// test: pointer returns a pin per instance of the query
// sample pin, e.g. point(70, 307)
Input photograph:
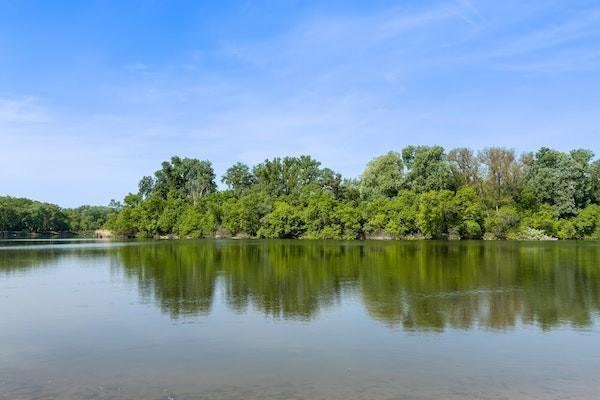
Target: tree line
point(25, 215)
point(420, 192)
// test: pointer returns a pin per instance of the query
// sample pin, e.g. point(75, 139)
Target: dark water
point(299, 320)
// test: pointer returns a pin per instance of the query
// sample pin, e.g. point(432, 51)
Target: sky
point(96, 94)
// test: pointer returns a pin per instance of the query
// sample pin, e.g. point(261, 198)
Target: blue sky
point(95, 94)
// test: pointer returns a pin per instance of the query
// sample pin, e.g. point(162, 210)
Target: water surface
point(299, 320)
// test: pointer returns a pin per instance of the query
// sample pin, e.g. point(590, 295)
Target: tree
point(145, 187)
point(595, 178)
point(468, 213)
point(421, 192)
point(465, 167)
point(350, 221)
point(383, 176)
point(587, 222)
point(284, 222)
point(239, 178)
point(320, 217)
point(287, 176)
point(427, 169)
point(244, 215)
point(435, 213)
point(500, 224)
point(173, 207)
point(503, 175)
point(332, 182)
point(561, 180)
point(197, 222)
point(189, 176)
point(402, 214)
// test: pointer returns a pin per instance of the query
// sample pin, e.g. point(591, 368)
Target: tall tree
point(287, 176)
point(503, 175)
point(145, 186)
point(188, 176)
point(561, 180)
point(427, 168)
point(465, 167)
point(239, 178)
point(383, 176)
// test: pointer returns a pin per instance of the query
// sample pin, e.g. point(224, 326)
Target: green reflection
point(413, 285)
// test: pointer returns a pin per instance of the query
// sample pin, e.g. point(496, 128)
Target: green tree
point(561, 180)
point(189, 176)
point(383, 176)
point(468, 213)
point(465, 167)
point(239, 178)
point(428, 169)
point(435, 213)
point(287, 176)
point(502, 175)
point(284, 222)
point(320, 217)
point(587, 222)
point(500, 224)
point(197, 222)
point(402, 214)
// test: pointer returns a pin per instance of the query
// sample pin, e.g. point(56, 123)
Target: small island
point(421, 192)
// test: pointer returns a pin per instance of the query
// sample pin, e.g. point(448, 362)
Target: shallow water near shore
point(237, 319)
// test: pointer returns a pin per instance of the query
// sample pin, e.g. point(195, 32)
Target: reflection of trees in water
point(284, 279)
point(415, 285)
point(18, 260)
point(433, 285)
point(181, 278)
point(281, 279)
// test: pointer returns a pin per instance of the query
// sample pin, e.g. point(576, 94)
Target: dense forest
point(24, 215)
point(420, 192)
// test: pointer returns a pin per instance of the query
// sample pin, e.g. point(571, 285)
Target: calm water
point(299, 320)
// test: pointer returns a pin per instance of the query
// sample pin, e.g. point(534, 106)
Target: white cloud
point(22, 109)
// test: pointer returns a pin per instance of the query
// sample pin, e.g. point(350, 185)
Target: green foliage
point(87, 218)
point(350, 221)
point(197, 222)
point(428, 169)
point(188, 176)
point(239, 178)
point(284, 222)
point(402, 215)
point(465, 167)
point(244, 215)
point(545, 220)
point(320, 217)
point(287, 176)
point(377, 215)
point(587, 222)
point(19, 214)
point(383, 176)
point(172, 209)
point(500, 224)
point(435, 214)
point(561, 180)
point(467, 213)
point(420, 193)
point(503, 176)
point(529, 233)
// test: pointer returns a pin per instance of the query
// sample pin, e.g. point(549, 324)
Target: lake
point(299, 320)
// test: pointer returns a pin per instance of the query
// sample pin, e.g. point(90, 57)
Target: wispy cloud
point(583, 25)
point(22, 109)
